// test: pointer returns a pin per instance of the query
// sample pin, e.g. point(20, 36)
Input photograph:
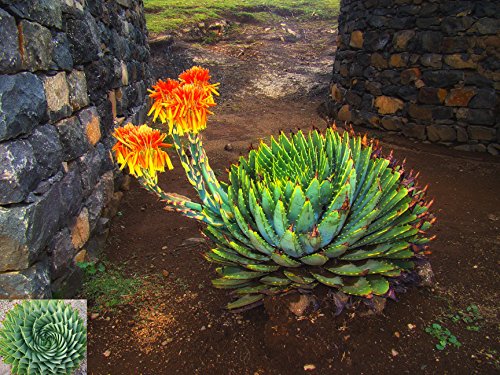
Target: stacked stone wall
point(429, 69)
point(70, 70)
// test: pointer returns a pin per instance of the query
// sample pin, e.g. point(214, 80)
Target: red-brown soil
point(178, 325)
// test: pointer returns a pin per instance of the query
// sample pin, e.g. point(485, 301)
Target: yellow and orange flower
point(188, 109)
point(199, 76)
point(161, 92)
point(139, 148)
point(185, 103)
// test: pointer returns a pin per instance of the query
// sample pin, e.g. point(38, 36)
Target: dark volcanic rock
point(18, 171)
point(61, 252)
point(25, 229)
point(83, 38)
point(22, 103)
point(45, 12)
point(37, 46)
point(10, 57)
point(61, 53)
point(73, 138)
point(47, 150)
point(33, 283)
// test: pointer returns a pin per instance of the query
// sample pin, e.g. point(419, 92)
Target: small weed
point(443, 335)
point(470, 316)
point(91, 268)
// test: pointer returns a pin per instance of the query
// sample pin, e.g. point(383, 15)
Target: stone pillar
point(70, 70)
point(426, 68)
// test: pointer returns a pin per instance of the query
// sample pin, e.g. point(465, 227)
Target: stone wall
point(429, 69)
point(70, 70)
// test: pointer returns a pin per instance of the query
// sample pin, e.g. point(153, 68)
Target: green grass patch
point(169, 15)
point(107, 288)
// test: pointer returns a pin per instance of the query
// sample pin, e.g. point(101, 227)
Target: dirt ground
point(272, 79)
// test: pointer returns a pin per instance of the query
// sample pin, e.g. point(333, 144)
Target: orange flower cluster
point(185, 103)
point(139, 147)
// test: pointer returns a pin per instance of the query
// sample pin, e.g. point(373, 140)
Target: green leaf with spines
point(313, 194)
point(223, 283)
point(297, 201)
point(335, 251)
point(306, 219)
point(315, 259)
point(242, 206)
point(267, 203)
point(275, 281)
point(247, 252)
point(240, 220)
point(325, 192)
point(378, 284)
point(280, 219)
point(259, 243)
point(297, 278)
point(310, 242)
point(237, 273)
point(290, 244)
point(252, 289)
point(227, 255)
point(334, 282)
point(265, 229)
point(402, 264)
point(252, 201)
point(233, 227)
point(245, 301)
point(330, 226)
point(375, 266)
point(214, 258)
point(393, 273)
point(347, 269)
point(217, 236)
point(403, 254)
point(284, 260)
point(359, 287)
point(289, 188)
point(262, 267)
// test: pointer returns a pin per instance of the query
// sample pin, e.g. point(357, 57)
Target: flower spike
point(139, 148)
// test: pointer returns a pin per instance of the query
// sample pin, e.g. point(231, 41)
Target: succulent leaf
point(359, 287)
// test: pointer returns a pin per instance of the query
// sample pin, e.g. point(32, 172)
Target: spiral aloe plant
point(307, 209)
point(43, 337)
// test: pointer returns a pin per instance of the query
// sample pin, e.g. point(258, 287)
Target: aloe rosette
point(306, 209)
point(43, 337)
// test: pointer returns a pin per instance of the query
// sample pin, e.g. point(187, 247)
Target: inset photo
point(43, 337)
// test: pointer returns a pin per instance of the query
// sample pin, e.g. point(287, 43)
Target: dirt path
point(271, 79)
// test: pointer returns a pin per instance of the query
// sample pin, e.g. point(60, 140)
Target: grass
point(169, 15)
point(107, 288)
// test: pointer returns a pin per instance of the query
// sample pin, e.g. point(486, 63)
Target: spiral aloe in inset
point(43, 337)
